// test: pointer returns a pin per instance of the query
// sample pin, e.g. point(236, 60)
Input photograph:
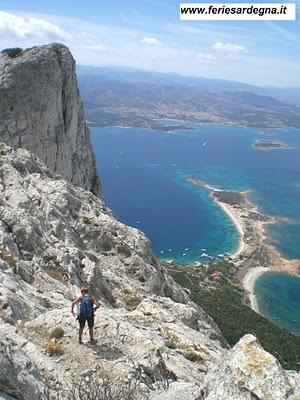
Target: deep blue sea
point(144, 175)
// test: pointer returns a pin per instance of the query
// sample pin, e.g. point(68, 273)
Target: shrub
point(44, 302)
point(8, 257)
point(172, 342)
point(57, 332)
point(192, 355)
point(131, 301)
point(12, 52)
point(54, 348)
point(56, 274)
point(105, 387)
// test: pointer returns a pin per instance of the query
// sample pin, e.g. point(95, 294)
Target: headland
point(254, 255)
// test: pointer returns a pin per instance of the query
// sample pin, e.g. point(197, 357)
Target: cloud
point(151, 41)
point(20, 27)
point(229, 48)
point(97, 47)
point(287, 35)
point(206, 56)
point(179, 50)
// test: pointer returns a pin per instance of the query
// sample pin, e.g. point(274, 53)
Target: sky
point(148, 34)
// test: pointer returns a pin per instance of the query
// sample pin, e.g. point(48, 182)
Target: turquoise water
point(279, 299)
point(144, 174)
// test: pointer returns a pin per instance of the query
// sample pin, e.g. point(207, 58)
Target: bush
point(57, 333)
point(12, 52)
point(131, 301)
point(8, 257)
point(192, 355)
point(103, 388)
point(54, 348)
point(56, 274)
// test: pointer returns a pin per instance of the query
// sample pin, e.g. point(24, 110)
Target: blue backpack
point(86, 307)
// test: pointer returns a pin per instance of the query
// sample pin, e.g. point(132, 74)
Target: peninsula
point(253, 256)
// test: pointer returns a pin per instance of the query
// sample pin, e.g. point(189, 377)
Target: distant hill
point(122, 96)
point(132, 75)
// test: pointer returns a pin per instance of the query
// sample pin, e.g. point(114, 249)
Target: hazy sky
point(148, 34)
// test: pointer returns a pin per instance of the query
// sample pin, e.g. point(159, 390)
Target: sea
point(144, 173)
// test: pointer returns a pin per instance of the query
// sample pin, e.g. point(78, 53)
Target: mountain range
point(123, 96)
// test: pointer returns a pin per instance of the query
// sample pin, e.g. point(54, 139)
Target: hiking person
point(87, 307)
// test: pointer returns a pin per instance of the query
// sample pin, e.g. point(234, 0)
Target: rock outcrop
point(41, 110)
point(54, 238)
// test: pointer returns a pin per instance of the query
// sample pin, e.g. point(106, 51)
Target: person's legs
point(81, 328)
point(91, 328)
point(80, 334)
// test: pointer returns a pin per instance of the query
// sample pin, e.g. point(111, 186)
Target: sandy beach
point(249, 285)
point(253, 256)
point(238, 226)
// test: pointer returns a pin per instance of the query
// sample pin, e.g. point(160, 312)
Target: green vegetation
point(12, 52)
point(57, 332)
point(215, 288)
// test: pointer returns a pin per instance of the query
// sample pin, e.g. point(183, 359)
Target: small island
point(269, 145)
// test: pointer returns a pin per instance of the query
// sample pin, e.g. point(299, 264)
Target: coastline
point(253, 257)
point(238, 226)
point(94, 124)
point(249, 285)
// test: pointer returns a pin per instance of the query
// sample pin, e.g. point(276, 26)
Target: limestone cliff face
point(41, 110)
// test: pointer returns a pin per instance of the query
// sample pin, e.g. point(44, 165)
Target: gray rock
point(178, 391)
point(18, 375)
point(41, 111)
point(248, 372)
point(4, 396)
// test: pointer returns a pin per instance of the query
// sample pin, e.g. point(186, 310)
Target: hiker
point(87, 307)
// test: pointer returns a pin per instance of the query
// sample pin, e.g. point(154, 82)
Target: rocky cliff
point(152, 341)
point(41, 110)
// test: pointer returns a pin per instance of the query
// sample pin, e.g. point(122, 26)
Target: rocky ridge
point(41, 110)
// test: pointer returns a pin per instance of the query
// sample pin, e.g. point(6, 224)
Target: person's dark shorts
point(82, 320)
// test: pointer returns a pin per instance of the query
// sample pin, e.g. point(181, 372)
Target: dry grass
point(131, 301)
point(54, 348)
point(56, 274)
point(190, 352)
point(192, 355)
point(173, 341)
point(8, 257)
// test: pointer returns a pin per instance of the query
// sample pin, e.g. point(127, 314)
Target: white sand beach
point(249, 285)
